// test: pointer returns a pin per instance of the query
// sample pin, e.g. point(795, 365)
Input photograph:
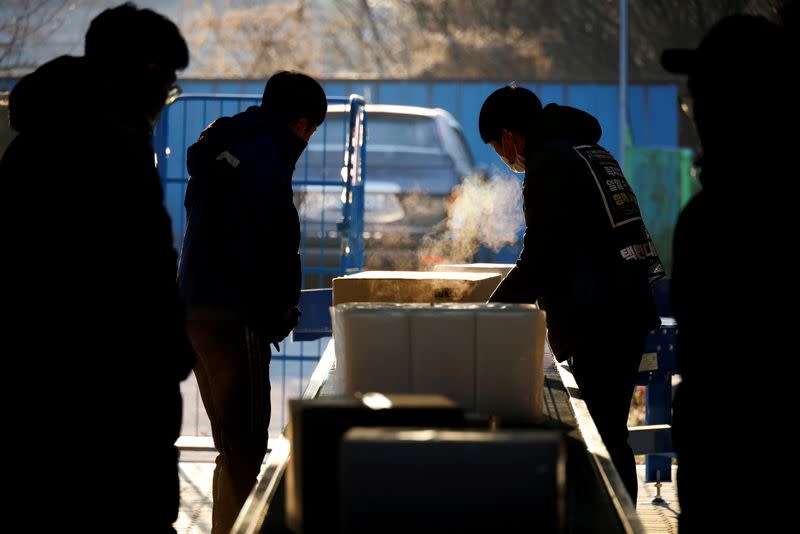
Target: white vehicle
point(415, 157)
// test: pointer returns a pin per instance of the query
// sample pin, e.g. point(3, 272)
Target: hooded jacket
point(240, 257)
point(587, 257)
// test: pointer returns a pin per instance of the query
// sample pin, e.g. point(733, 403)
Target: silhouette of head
point(297, 99)
point(737, 79)
point(505, 120)
point(138, 51)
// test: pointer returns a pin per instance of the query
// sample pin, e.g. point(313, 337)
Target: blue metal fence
point(180, 125)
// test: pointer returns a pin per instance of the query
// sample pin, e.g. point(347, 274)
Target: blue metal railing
point(658, 366)
point(352, 224)
point(180, 125)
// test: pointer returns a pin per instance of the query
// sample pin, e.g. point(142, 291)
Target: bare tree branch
point(26, 23)
point(250, 38)
point(464, 39)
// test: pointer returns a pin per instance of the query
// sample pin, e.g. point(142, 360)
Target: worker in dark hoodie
point(587, 258)
point(240, 270)
point(94, 340)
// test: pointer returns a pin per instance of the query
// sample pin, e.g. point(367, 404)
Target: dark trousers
point(735, 467)
point(606, 375)
point(233, 375)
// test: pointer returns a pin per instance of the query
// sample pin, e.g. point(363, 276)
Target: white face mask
point(519, 162)
point(518, 165)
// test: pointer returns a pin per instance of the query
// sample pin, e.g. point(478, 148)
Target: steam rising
point(481, 212)
point(425, 291)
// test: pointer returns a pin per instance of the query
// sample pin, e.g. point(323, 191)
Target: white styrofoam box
point(486, 357)
point(443, 352)
point(372, 344)
point(510, 360)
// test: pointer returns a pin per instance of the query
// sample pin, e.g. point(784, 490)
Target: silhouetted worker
point(729, 274)
point(240, 270)
point(587, 257)
point(94, 337)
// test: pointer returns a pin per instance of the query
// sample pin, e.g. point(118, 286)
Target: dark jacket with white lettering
point(240, 251)
point(587, 257)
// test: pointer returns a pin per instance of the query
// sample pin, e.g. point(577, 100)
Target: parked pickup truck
point(415, 157)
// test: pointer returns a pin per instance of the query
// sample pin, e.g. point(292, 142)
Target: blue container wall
point(652, 108)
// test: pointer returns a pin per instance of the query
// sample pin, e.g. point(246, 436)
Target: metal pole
point(623, 78)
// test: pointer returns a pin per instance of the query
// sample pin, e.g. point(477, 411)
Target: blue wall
point(652, 108)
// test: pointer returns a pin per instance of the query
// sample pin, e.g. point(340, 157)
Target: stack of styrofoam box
point(486, 357)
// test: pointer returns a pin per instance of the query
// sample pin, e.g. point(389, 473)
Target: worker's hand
point(275, 328)
point(287, 324)
point(289, 321)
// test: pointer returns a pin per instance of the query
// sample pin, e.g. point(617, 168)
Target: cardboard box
point(315, 431)
point(431, 480)
point(500, 268)
point(414, 286)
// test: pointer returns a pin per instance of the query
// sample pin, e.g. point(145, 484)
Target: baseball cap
point(732, 43)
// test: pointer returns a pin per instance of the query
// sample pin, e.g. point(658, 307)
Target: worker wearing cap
point(727, 274)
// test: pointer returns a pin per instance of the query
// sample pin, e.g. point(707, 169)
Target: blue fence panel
point(662, 113)
point(653, 115)
point(230, 87)
point(369, 90)
point(605, 109)
point(580, 96)
point(182, 123)
point(600, 101)
point(336, 88)
point(472, 96)
point(553, 92)
point(638, 118)
point(447, 95)
point(354, 175)
point(200, 86)
point(407, 93)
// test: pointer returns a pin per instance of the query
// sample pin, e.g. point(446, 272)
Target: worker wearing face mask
point(587, 258)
